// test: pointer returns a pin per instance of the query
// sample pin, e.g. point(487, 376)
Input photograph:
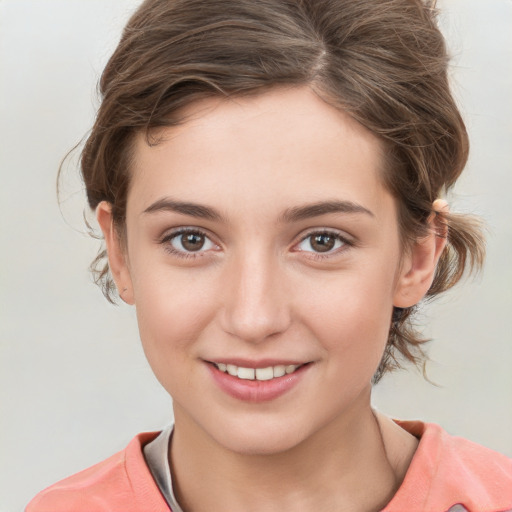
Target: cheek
point(350, 317)
point(173, 308)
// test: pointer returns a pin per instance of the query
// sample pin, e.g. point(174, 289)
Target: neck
point(344, 467)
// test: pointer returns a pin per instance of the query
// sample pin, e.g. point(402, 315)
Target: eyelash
point(346, 244)
point(166, 242)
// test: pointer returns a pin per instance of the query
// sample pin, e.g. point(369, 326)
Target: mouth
point(260, 374)
point(257, 382)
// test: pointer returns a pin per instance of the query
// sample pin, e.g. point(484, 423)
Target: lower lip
point(257, 390)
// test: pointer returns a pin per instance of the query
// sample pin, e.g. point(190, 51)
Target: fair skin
point(262, 279)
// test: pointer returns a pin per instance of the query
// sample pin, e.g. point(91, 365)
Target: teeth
point(264, 373)
point(245, 373)
point(268, 373)
point(279, 371)
point(232, 369)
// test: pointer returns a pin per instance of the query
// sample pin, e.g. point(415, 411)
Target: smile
point(250, 384)
point(268, 373)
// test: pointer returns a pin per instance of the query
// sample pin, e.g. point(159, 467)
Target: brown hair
point(382, 61)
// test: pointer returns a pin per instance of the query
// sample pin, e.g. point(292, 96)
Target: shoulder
point(121, 482)
point(448, 471)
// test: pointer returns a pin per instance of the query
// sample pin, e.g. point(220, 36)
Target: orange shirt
point(445, 472)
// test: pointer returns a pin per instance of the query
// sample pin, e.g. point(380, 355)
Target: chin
point(251, 435)
point(265, 442)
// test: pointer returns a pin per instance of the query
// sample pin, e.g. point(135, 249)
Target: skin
point(258, 288)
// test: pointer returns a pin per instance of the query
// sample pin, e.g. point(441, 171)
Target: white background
point(74, 384)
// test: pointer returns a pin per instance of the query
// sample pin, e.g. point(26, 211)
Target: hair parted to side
point(382, 61)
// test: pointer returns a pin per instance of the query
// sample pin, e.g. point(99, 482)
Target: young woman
point(269, 180)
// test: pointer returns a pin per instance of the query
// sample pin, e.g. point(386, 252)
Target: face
point(261, 242)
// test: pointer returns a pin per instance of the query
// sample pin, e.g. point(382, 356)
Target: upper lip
point(256, 363)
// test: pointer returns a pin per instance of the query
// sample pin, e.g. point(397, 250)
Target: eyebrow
point(295, 214)
point(184, 207)
point(307, 211)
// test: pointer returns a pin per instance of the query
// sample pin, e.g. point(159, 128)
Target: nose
point(256, 304)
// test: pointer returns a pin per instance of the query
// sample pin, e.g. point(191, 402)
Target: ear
point(117, 257)
point(419, 266)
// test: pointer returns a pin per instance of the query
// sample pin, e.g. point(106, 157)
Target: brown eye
point(192, 241)
point(186, 242)
point(322, 243)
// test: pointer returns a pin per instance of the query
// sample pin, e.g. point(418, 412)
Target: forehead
point(260, 151)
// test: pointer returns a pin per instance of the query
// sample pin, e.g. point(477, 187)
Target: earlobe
point(117, 259)
point(419, 267)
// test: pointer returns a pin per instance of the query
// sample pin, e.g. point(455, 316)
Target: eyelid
point(168, 236)
point(347, 242)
